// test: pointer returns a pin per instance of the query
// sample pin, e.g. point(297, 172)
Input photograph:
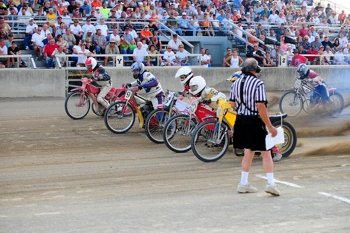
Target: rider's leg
point(103, 92)
point(323, 92)
point(157, 100)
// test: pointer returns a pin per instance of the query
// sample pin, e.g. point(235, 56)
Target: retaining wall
point(51, 83)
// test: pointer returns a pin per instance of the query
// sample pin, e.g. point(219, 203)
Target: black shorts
point(249, 133)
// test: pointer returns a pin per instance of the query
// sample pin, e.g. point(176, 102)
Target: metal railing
point(26, 57)
point(318, 58)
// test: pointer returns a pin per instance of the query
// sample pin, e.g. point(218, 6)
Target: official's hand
point(128, 85)
point(206, 101)
point(273, 131)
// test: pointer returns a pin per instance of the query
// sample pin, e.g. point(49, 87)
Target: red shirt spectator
point(312, 51)
point(50, 47)
point(297, 59)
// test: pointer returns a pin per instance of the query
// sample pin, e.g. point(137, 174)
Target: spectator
point(182, 56)
point(184, 24)
point(268, 62)
point(132, 46)
point(70, 38)
point(174, 43)
point(58, 54)
point(104, 10)
point(88, 27)
point(71, 7)
point(100, 42)
point(228, 54)
point(298, 59)
point(328, 58)
point(343, 40)
point(88, 36)
point(4, 51)
point(257, 54)
point(140, 54)
point(316, 43)
point(48, 50)
point(111, 48)
point(103, 27)
point(305, 43)
point(89, 46)
point(154, 59)
point(144, 44)
point(234, 61)
point(157, 43)
point(61, 30)
point(115, 36)
point(172, 23)
point(326, 42)
point(123, 45)
point(63, 43)
point(205, 59)
point(76, 30)
point(13, 50)
point(312, 51)
point(9, 40)
point(169, 58)
point(127, 34)
point(51, 17)
point(83, 54)
point(5, 26)
point(336, 44)
point(338, 58)
point(66, 18)
point(146, 34)
point(37, 40)
point(30, 30)
point(207, 52)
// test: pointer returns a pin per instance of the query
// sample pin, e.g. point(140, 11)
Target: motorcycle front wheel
point(155, 123)
point(290, 138)
point(291, 103)
point(206, 144)
point(119, 117)
point(77, 105)
point(177, 133)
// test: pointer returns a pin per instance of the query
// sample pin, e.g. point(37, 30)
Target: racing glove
point(208, 101)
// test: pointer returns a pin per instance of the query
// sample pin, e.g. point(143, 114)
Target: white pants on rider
point(105, 88)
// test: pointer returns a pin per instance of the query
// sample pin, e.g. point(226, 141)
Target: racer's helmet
point(137, 69)
point(303, 71)
point(234, 76)
point(197, 85)
point(185, 74)
point(90, 64)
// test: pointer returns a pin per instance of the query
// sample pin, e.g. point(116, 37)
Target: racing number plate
point(128, 95)
point(193, 106)
point(297, 84)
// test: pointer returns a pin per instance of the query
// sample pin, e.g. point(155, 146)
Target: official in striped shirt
point(248, 98)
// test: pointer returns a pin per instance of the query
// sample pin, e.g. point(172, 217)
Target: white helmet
point(185, 74)
point(197, 85)
point(90, 64)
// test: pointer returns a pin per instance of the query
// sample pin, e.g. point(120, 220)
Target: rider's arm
point(151, 83)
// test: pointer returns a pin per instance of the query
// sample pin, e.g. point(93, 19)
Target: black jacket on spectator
point(328, 43)
point(251, 54)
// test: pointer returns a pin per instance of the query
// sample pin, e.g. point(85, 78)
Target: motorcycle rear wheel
point(177, 133)
point(155, 123)
point(290, 138)
point(119, 117)
point(291, 103)
point(77, 105)
point(338, 103)
point(204, 144)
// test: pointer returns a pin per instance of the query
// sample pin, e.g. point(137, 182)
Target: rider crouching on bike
point(315, 80)
point(185, 74)
point(101, 79)
point(146, 80)
point(209, 95)
point(277, 156)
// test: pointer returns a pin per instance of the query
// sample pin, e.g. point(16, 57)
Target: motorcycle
point(211, 139)
point(157, 119)
point(305, 97)
point(120, 115)
point(177, 131)
point(77, 104)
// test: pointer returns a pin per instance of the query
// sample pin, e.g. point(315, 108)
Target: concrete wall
point(51, 83)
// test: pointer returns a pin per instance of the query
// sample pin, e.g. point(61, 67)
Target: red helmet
point(90, 64)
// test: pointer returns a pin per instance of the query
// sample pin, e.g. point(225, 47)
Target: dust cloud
point(339, 148)
point(323, 131)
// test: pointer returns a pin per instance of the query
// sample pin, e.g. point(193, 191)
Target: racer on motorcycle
point(185, 74)
point(101, 79)
point(315, 80)
point(145, 79)
point(277, 156)
point(209, 95)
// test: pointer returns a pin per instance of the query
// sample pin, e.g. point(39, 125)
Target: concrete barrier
point(51, 83)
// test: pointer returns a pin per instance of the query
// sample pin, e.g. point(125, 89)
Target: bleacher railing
point(27, 58)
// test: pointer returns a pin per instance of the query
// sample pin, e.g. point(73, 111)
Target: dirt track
point(60, 175)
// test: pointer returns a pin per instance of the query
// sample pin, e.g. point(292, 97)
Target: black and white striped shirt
point(253, 92)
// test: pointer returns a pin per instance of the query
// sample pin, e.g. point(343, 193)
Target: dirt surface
point(61, 175)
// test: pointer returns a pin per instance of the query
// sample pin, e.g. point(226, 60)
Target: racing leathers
point(152, 87)
point(104, 82)
point(317, 82)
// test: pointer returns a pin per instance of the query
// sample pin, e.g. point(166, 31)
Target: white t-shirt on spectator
point(343, 41)
point(137, 52)
point(66, 20)
point(29, 27)
point(38, 39)
point(169, 56)
point(88, 27)
point(205, 57)
point(75, 29)
point(173, 44)
point(104, 29)
point(4, 50)
point(85, 53)
point(116, 38)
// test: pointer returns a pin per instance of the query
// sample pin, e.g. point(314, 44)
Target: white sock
point(244, 178)
point(270, 179)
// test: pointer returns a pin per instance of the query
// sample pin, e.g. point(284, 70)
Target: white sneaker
point(27, 48)
point(277, 157)
point(246, 188)
point(272, 189)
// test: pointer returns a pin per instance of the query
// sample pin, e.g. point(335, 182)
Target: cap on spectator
point(98, 8)
point(90, 31)
point(112, 41)
point(248, 13)
point(10, 35)
point(321, 46)
point(146, 26)
point(50, 9)
point(183, 13)
point(76, 20)
point(31, 19)
point(59, 17)
point(168, 47)
point(295, 51)
point(174, 35)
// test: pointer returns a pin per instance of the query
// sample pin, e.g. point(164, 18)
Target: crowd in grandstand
point(133, 27)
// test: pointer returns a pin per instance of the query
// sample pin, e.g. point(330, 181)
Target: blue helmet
point(137, 69)
point(234, 76)
point(303, 71)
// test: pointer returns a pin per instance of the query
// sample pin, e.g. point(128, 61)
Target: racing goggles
point(194, 88)
point(183, 77)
